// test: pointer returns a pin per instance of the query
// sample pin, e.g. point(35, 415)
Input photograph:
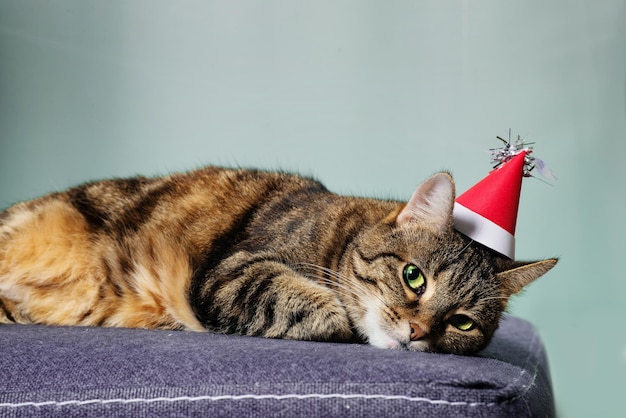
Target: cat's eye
point(462, 322)
point(413, 277)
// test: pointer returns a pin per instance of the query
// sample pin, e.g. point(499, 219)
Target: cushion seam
point(330, 396)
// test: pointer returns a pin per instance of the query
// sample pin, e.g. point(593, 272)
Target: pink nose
point(417, 333)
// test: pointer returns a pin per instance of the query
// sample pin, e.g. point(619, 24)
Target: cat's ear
point(431, 204)
point(515, 275)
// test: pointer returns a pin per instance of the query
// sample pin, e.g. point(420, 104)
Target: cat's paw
point(323, 319)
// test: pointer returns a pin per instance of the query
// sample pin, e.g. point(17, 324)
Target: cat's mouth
point(419, 338)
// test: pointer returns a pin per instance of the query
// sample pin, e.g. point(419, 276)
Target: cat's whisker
point(328, 275)
point(333, 277)
point(358, 295)
point(339, 288)
point(463, 250)
point(496, 298)
point(324, 269)
point(364, 293)
point(355, 297)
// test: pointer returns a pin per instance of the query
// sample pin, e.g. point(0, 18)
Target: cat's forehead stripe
point(371, 259)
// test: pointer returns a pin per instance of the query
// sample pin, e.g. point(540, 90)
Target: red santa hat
point(487, 212)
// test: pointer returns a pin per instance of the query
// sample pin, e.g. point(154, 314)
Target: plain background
point(371, 97)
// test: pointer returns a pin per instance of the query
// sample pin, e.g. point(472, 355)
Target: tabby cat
point(256, 253)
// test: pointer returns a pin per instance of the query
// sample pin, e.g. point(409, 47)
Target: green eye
point(414, 277)
point(462, 322)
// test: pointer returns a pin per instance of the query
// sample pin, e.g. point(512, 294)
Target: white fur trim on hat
point(484, 231)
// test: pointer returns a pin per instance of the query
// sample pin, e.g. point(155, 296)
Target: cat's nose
point(417, 332)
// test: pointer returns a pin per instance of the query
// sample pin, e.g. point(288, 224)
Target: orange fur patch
point(47, 266)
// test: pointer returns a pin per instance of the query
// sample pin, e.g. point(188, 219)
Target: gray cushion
point(63, 371)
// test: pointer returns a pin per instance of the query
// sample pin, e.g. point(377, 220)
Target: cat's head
point(424, 286)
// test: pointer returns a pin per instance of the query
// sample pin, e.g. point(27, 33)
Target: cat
point(256, 253)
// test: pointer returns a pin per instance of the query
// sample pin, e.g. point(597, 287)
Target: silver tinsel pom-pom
point(510, 149)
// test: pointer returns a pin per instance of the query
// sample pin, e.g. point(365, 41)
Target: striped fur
point(253, 253)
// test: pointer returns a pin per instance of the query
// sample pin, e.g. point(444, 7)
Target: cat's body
point(255, 253)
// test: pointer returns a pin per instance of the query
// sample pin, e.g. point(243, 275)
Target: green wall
point(369, 96)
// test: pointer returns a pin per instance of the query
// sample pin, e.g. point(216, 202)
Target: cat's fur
point(254, 253)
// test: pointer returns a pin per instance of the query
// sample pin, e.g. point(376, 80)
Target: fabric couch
point(95, 372)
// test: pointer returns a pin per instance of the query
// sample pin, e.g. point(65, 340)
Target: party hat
point(487, 212)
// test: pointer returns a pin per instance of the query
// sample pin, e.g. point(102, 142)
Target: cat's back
point(207, 200)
